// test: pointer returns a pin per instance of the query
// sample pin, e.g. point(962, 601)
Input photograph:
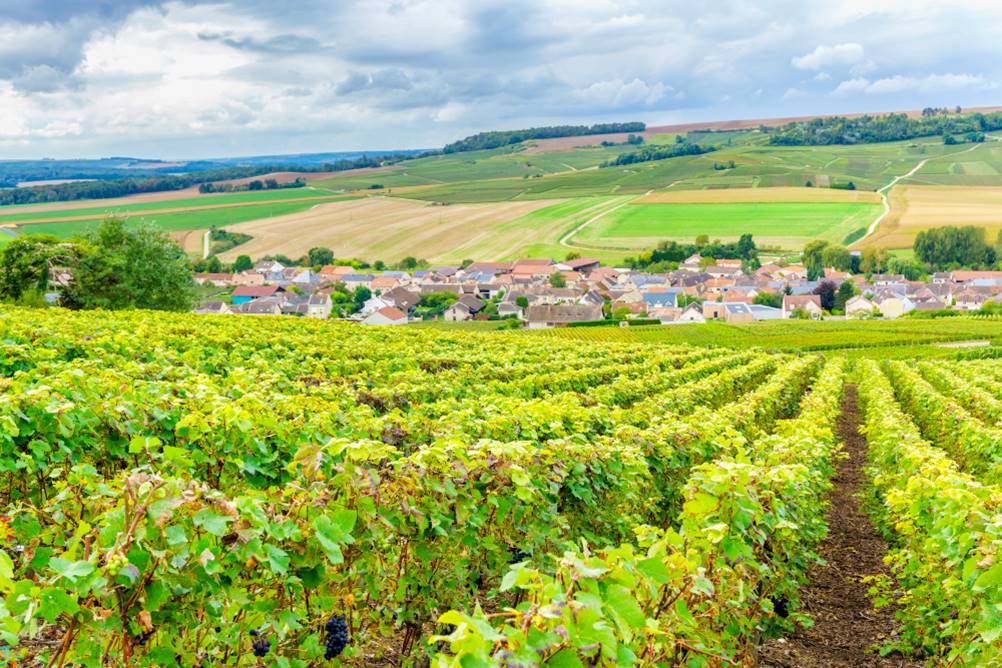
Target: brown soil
point(846, 626)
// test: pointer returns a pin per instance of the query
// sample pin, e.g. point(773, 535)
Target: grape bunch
point(261, 646)
point(337, 637)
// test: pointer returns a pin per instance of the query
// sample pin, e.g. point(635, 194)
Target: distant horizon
point(269, 154)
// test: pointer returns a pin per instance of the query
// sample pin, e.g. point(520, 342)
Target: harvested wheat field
point(755, 195)
point(191, 241)
point(917, 208)
point(389, 229)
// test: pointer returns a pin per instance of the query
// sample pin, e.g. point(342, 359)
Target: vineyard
point(195, 491)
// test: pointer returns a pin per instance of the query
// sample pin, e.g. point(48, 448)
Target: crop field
point(979, 165)
point(393, 496)
point(782, 224)
point(918, 208)
point(390, 229)
point(871, 337)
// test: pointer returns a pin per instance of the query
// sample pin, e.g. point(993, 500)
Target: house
point(248, 293)
point(763, 312)
point(582, 265)
point(355, 281)
point(319, 306)
point(971, 299)
point(218, 280)
point(661, 298)
point(400, 298)
point(859, 307)
point(809, 303)
point(554, 315)
point(248, 278)
point(693, 313)
point(269, 267)
point(263, 306)
point(731, 312)
point(509, 309)
point(386, 316)
point(463, 309)
point(892, 304)
point(213, 308)
point(383, 283)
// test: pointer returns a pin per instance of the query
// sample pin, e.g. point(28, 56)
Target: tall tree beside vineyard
point(26, 261)
point(123, 268)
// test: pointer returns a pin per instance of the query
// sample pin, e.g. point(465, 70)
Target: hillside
point(530, 198)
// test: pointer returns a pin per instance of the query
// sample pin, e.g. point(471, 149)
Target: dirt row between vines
point(846, 627)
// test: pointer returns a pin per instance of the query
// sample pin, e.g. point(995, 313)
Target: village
point(540, 293)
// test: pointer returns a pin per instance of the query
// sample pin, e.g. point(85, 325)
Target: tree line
point(498, 138)
point(669, 254)
point(890, 127)
point(663, 152)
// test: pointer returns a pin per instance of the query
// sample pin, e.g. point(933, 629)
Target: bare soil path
point(846, 627)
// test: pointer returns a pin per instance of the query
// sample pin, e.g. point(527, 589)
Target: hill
point(530, 197)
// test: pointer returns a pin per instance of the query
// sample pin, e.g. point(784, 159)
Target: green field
point(778, 224)
point(182, 220)
point(879, 339)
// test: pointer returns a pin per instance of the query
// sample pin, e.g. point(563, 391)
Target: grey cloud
point(285, 44)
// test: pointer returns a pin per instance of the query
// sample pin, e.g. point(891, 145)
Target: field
point(390, 229)
point(787, 225)
point(382, 495)
point(918, 208)
point(874, 338)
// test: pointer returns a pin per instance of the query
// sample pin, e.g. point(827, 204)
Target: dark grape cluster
point(143, 638)
point(337, 637)
point(261, 646)
point(518, 556)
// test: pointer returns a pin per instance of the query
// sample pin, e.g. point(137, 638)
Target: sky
point(194, 79)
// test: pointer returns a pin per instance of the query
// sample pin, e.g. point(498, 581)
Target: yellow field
point(917, 208)
point(390, 229)
point(758, 195)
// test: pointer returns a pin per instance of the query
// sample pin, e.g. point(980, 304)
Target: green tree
point(837, 257)
point(379, 265)
point(409, 263)
point(873, 261)
point(845, 292)
point(814, 259)
point(522, 301)
point(242, 263)
point(213, 265)
point(123, 268)
point(319, 256)
point(944, 247)
point(25, 263)
point(702, 240)
point(574, 255)
point(557, 280)
point(746, 247)
point(774, 300)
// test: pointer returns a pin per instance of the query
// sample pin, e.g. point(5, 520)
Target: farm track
point(846, 626)
point(886, 189)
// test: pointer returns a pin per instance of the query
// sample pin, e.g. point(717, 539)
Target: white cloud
point(931, 83)
point(839, 55)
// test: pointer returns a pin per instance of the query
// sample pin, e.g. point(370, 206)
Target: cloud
point(203, 78)
point(931, 83)
point(839, 55)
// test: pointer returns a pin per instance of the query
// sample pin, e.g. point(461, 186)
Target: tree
point(466, 263)
point(25, 263)
point(846, 291)
point(768, 299)
point(574, 255)
point(522, 301)
point(702, 240)
point(362, 294)
point(826, 290)
point(814, 259)
point(242, 263)
point(837, 257)
point(409, 263)
point(557, 280)
point(910, 269)
point(213, 265)
point(943, 247)
point(379, 265)
point(123, 268)
point(873, 261)
point(746, 246)
point(319, 256)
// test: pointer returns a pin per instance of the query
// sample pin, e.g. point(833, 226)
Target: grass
point(777, 224)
